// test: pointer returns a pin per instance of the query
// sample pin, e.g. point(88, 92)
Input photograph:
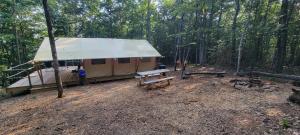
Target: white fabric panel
point(93, 48)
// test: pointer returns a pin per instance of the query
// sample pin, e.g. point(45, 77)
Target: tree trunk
point(202, 41)
point(282, 38)
point(53, 50)
point(257, 36)
point(148, 21)
point(234, 26)
point(16, 32)
point(283, 76)
point(178, 38)
point(210, 23)
point(219, 20)
point(240, 54)
point(262, 36)
point(293, 42)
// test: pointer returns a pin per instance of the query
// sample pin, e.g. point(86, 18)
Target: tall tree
point(148, 20)
point(53, 50)
point(282, 38)
point(234, 27)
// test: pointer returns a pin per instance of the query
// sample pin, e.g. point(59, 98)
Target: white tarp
point(93, 48)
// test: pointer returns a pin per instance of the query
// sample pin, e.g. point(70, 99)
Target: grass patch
point(34, 97)
point(284, 123)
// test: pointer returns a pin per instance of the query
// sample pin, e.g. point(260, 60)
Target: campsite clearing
point(198, 105)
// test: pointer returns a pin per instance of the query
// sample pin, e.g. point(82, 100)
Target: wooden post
point(37, 68)
point(137, 63)
point(53, 50)
point(29, 79)
point(112, 67)
point(42, 77)
point(196, 59)
point(175, 59)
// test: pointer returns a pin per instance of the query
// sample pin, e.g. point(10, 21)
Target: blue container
point(162, 66)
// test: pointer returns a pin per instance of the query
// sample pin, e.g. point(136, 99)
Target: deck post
point(42, 77)
point(39, 71)
point(29, 79)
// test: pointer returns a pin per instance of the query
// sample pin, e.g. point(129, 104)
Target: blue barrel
point(161, 66)
point(82, 73)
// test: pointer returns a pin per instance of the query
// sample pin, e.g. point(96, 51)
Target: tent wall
point(114, 68)
point(125, 68)
point(98, 70)
point(145, 66)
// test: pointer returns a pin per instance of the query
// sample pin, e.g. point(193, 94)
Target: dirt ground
point(198, 105)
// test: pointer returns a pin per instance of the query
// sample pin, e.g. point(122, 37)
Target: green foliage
point(284, 123)
point(3, 94)
point(172, 22)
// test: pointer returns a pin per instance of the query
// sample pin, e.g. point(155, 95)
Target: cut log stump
point(295, 97)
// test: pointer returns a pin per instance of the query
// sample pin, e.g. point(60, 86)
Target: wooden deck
point(49, 80)
point(67, 77)
point(48, 76)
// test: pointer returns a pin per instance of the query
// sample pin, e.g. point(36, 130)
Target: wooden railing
point(20, 71)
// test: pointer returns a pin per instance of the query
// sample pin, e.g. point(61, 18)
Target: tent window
point(72, 62)
point(98, 61)
point(123, 60)
point(146, 59)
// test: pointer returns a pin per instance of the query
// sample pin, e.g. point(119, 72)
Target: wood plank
point(153, 72)
point(158, 80)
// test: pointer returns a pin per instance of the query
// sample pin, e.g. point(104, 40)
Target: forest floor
point(198, 105)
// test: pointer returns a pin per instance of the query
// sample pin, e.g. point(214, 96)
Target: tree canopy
point(270, 28)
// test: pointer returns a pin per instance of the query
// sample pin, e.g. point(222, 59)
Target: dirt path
point(199, 105)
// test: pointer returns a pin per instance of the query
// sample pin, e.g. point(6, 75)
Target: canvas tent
point(103, 57)
point(95, 48)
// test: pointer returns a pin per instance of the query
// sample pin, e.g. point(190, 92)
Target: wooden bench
point(150, 82)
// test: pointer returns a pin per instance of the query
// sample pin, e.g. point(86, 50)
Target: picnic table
point(148, 77)
point(153, 72)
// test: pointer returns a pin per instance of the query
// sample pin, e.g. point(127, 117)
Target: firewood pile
point(247, 83)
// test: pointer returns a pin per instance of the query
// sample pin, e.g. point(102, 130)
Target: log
point(205, 73)
point(283, 76)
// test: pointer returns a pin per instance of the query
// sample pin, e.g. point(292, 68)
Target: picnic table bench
point(159, 80)
point(148, 77)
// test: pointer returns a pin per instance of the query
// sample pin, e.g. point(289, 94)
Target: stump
point(295, 97)
point(296, 83)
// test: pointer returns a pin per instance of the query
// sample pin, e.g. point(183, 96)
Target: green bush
point(2, 77)
point(3, 93)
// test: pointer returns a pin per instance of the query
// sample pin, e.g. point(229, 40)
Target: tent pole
point(112, 66)
point(137, 64)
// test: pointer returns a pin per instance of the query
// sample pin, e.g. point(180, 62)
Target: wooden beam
point(20, 73)
point(19, 65)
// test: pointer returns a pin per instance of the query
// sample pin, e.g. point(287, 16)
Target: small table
point(142, 76)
